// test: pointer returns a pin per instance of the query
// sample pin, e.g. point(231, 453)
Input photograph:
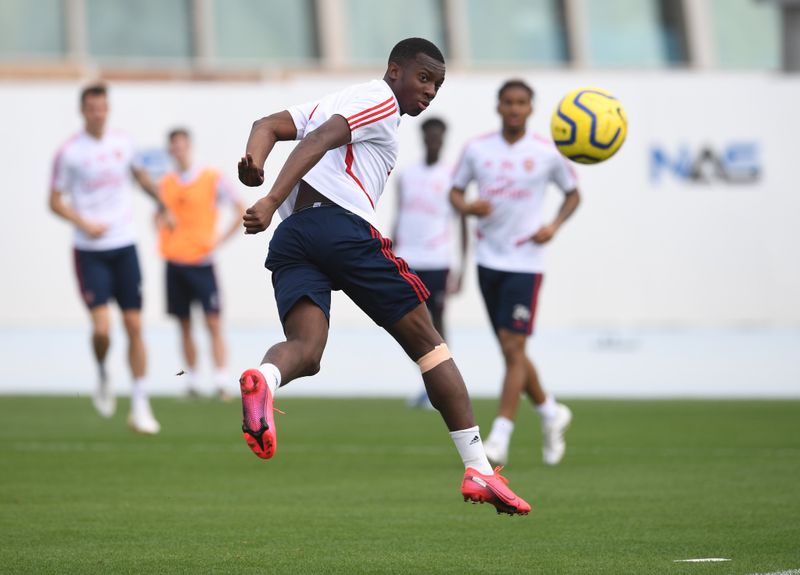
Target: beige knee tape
point(438, 355)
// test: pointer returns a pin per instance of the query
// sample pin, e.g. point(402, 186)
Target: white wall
point(637, 253)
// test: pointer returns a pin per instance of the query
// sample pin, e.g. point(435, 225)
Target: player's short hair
point(515, 83)
point(408, 49)
point(433, 123)
point(175, 132)
point(97, 89)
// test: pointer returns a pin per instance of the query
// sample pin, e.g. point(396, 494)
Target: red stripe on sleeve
point(368, 110)
point(365, 121)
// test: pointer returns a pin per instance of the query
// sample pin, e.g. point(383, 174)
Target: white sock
point(190, 377)
point(273, 376)
point(138, 392)
point(549, 408)
point(470, 448)
point(502, 428)
point(220, 378)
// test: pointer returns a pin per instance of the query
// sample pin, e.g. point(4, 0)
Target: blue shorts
point(510, 298)
point(109, 273)
point(436, 282)
point(326, 248)
point(189, 283)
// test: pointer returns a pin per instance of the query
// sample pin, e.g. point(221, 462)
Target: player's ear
point(394, 70)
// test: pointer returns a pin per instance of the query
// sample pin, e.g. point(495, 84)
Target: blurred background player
point(93, 168)
point(423, 230)
point(193, 195)
point(512, 169)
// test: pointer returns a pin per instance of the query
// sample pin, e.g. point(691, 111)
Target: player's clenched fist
point(258, 216)
point(249, 173)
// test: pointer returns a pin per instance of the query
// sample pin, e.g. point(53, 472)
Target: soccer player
point(326, 192)
point(513, 169)
point(93, 168)
point(423, 230)
point(192, 195)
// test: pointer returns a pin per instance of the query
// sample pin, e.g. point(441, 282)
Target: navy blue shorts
point(326, 248)
point(436, 282)
point(109, 273)
point(510, 298)
point(187, 284)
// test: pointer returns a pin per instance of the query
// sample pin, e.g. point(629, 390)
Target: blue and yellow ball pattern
point(589, 125)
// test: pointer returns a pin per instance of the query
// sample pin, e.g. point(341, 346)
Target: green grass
point(368, 486)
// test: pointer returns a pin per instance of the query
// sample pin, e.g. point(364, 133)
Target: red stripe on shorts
point(402, 267)
point(537, 283)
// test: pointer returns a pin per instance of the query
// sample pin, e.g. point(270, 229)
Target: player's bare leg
point(416, 335)
point(189, 355)
point(421, 400)
point(521, 375)
point(533, 386)
point(218, 354)
point(516, 377)
point(137, 357)
point(306, 330)
point(141, 417)
point(103, 397)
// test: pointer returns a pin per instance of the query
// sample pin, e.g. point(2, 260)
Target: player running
point(93, 168)
point(512, 169)
point(326, 192)
point(193, 196)
point(423, 231)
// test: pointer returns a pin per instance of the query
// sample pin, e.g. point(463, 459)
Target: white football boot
point(553, 429)
point(141, 418)
point(103, 398)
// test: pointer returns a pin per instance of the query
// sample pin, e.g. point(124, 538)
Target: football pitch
point(369, 486)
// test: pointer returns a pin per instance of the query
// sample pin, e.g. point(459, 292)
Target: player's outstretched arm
point(458, 278)
point(264, 134)
point(334, 133)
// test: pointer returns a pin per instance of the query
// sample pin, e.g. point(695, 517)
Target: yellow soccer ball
point(589, 125)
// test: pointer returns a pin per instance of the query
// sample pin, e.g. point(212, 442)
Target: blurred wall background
point(691, 225)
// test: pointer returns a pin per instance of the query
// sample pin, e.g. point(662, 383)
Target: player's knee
point(438, 355)
point(513, 352)
point(101, 336)
point(101, 328)
point(133, 324)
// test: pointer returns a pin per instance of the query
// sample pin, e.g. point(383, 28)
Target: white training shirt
point(424, 230)
point(513, 177)
point(96, 174)
point(352, 176)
